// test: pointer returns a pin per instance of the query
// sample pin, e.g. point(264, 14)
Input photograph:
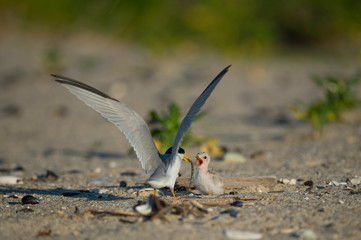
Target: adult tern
point(206, 181)
point(162, 169)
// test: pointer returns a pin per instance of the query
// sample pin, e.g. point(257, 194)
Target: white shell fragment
point(286, 181)
point(236, 234)
point(146, 192)
point(145, 209)
point(355, 180)
point(307, 235)
point(335, 183)
point(10, 180)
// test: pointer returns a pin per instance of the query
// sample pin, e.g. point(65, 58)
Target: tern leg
point(174, 194)
point(155, 192)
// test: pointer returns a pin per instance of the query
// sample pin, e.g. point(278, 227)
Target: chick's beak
point(199, 162)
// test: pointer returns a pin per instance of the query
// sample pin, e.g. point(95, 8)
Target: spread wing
point(192, 113)
point(126, 119)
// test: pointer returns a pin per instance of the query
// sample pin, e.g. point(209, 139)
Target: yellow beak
point(185, 158)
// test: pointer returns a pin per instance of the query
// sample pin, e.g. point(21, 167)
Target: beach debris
point(29, 199)
point(9, 180)
point(233, 157)
point(286, 181)
point(123, 184)
point(307, 234)
point(242, 235)
point(335, 183)
point(147, 191)
point(355, 180)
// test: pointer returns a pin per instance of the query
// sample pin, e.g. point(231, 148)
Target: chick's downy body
point(207, 182)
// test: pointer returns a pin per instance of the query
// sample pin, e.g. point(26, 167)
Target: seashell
point(144, 209)
point(29, 199)
point(355, 181)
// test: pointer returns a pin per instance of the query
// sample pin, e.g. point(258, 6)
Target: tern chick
point(206, 181)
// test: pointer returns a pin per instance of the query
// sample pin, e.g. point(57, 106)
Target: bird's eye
point(205, 157)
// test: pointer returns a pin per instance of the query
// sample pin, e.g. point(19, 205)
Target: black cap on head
point(180, 150)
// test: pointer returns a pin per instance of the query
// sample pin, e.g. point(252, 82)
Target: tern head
point(202, 159)
point(181, 152)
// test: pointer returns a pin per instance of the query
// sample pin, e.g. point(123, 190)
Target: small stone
point(237, 204)
point(236, 234)
point(123, 184)
point(29, 199)
point(308, 183)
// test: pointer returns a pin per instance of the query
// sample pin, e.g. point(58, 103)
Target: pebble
point(237, 204)
point(123, 184)
point(29, 199)
point(10, 180)
point(237, 234)
point(233, 157)
point(308, 183)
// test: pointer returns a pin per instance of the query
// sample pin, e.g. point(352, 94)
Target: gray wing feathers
point(192, 113)
point(127, 120)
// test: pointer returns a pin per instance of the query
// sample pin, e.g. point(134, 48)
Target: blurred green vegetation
point(164, 126)
point(338, 96)
point(232, 26)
